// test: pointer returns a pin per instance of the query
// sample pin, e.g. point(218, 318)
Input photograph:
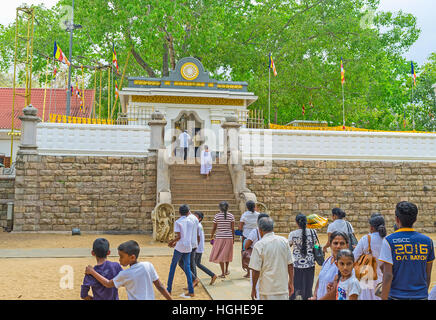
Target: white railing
point(337, 145)
point(92, 139)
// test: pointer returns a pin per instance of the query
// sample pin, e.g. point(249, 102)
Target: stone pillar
point(231, 140)
point(231, 147)
point(28, 131)
point(157, 146)
point(157, 126)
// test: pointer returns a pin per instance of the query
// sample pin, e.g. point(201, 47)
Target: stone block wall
point(93, 193)
point(7, 191)
point(358, 187)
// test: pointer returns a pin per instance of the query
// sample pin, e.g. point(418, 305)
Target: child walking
point(346, 286)
point(100, 250)
point(138, 279)
point(200, 249)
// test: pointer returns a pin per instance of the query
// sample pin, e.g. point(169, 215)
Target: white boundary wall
point(258, 144)
point(92, 139)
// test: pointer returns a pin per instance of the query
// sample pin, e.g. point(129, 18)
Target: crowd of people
point(378, 266)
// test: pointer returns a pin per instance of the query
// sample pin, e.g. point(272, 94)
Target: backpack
point(366, 266)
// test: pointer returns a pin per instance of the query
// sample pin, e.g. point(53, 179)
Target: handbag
point(366, 266)
point(351, 236)
point(318, 254)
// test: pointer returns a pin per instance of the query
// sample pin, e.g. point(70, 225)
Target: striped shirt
point(224, 226)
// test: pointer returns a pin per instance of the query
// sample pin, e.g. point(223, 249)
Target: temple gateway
point(189, 100)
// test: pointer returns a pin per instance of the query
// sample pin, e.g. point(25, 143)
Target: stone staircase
point(189, 187)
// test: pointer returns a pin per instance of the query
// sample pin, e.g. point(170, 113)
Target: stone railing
point(260, 144)
point(92, 139)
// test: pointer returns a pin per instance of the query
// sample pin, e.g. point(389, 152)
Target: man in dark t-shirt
point(407, 257)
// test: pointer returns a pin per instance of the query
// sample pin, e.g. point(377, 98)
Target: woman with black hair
point(329, 270)
point(339, 224)
point(302, 240)
point(222, 245)
point(372, 242)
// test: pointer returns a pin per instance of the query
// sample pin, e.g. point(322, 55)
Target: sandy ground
point(43, 278)
point(48, 278)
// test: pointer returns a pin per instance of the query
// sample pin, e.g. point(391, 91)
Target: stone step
point(196, 168)
point(187, 190)
point(212, 180)
point(194, 200)
point(206, 207)
point(178, 187)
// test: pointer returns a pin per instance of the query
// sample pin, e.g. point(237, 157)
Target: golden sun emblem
point(189, 71)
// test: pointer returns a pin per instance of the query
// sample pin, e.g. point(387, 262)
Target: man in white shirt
point(182, 244)
point(272, 264)
point(184, 139)
point(195, 239)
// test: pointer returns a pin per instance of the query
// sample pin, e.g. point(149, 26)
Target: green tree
point(233, 38)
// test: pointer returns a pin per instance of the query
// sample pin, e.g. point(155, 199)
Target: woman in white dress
point(206, 162)
point(377, 232)
point(338, 240)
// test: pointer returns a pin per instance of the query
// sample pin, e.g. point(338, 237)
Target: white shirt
point(327, 274)
point(200, 248)
point(138, 281)
point(348, 287)
point(184, 226)
point(339, 225)
point(184, 139)
point(250, 222)
point(271, 256)
point(195, 232)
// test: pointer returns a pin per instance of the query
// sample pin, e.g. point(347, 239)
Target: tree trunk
point(143, 64)
point(171, 51)
point(165, 71)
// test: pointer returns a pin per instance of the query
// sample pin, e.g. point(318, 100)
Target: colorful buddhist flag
point(116, 89)
point(413, 74)
point(114, 58)
point(272, 65)
point(55, 71)
point(58, 54)
point(304, 110)
point(342, 72)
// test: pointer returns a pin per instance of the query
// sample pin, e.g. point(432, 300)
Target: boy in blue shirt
point(109, 269)
point(407, 257)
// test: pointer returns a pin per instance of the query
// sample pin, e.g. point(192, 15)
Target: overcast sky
point(423, 10)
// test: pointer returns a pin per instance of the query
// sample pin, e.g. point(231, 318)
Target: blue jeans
point(186, 257)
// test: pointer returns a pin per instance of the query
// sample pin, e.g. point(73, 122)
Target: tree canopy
point(233, 39)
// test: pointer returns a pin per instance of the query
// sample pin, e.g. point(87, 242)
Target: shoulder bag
point(352, 238)
point(366, 266)
point(318, 254)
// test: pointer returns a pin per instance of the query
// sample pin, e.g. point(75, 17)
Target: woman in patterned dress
point(302, 241)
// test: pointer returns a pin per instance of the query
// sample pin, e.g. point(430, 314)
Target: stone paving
point(234, 287)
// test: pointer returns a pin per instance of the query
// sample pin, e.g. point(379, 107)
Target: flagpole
point(413, 112)
point(343, 107)
point(269, 96)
